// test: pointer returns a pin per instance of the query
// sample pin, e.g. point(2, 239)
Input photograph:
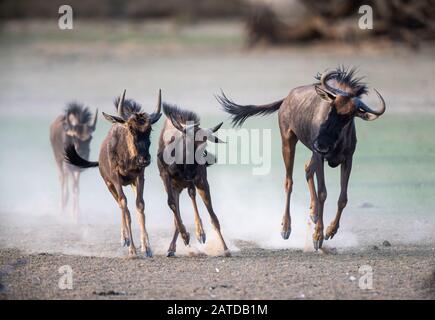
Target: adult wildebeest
point(321, 116)
point(74, 127)
point(182, 160)
point(124, 154)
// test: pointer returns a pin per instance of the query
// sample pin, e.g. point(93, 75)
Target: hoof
point(286, 234)
point(170, 254)
point(125, 242)
point(317, 244)
point(201, 238)
point(227, 253)
point(186, 238)
point(148, 253)
point(329, 236)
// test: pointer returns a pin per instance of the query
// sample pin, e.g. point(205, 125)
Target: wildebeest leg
point(289, 141)
point(204, 192)
point(346, 168)
point(76, 191)
point(125, 241)
point(309, 173)
point(322, 194)
point(174, 204)
point(173, 245)
point(63, 177)
point(140, 206)
point(200, 234)
point(122, 201)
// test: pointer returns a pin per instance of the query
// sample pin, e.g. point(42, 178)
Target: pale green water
point(392, 186)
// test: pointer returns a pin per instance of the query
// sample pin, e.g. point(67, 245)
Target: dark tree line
point(400, 20)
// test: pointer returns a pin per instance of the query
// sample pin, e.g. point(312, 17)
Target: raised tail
point(240, 113)
point(72, 157)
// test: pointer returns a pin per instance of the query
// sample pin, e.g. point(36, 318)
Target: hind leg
point(204, 192)
point(125, 241)
point(309, 173)
point(173, 245)
point(289, 141)
point(199, 230)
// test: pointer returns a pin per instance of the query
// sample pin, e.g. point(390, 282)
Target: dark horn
point(379, 112)
point(157, 114)
point(324, 82)
point(217, 127)
point(94, 124)
point(120, 107)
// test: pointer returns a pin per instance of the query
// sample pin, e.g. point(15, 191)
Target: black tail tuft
point(240, 113)
point(72, 157)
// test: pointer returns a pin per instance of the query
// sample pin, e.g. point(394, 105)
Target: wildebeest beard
point(330, 131)
point(82, 147)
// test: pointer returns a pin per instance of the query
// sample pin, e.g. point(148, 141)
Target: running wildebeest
point(124, 154)
point(74, 127)
point(182, 160)
point(322, 117)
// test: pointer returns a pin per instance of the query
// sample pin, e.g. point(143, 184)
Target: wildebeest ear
point(325, 95)
point(113, 119)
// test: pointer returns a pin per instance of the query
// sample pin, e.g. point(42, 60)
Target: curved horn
point(94, 124)
point(324, 82)
point(377, 113)
point(216, 128)
point(120, 107)
point(154, 117)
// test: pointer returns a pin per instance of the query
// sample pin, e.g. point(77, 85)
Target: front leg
point(204, 192)
point(138, 188)
point(199, 230)
point(122, 202)
point(346, 168)
point(174, 204)
point(76, 194)
point(322, 194)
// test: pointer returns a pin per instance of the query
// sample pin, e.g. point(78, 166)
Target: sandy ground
point(403, 272)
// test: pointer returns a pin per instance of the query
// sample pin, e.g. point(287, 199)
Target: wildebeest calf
point(322, 117)
point(74, 127)
point(124, 154)
point(182, 160)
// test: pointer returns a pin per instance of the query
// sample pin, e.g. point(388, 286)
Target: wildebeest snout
point(143, 161)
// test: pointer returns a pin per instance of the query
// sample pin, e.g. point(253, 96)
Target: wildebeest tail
point(240, 113)
point(72, 157)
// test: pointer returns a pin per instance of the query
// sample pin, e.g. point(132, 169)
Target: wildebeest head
point(138, 125)
point(79, 126)
point(345, 104)
point(188, 147)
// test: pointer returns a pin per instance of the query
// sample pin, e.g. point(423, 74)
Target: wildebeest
point(74, 127)
point(182, 160)
point(124, 154)
point(321, 116)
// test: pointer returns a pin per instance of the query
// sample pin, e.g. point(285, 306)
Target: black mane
point(347, 77)
point(180, 115)
point(130, 107)
point(81, 112)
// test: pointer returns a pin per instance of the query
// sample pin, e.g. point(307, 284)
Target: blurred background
point(256, 51)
